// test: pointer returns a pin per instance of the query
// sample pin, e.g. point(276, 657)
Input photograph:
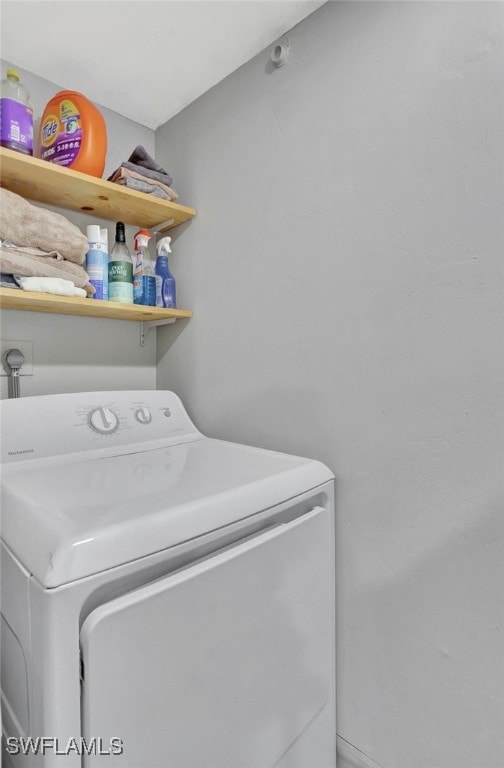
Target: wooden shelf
point(10, 298)
point(52, 184)
point(55, 185)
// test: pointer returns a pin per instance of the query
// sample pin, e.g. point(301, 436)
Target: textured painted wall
point(73, 354)
point(345, 272)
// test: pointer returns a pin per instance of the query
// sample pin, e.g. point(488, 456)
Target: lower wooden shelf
point(10, 298)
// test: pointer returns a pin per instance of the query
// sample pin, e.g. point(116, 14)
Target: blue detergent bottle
point(166, 296)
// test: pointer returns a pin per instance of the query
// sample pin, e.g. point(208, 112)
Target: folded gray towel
point(143, 186)
point(28, 225)
point(7, 281)
point(164, 178)
point(123, 173)
point(141, 157)
point(19, 262)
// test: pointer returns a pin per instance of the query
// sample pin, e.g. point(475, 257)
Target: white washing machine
point(167, 599)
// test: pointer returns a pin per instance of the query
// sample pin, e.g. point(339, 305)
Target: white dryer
point(167, 598)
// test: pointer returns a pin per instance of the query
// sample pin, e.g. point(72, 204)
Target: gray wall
point(345, 272)
point(73, 354)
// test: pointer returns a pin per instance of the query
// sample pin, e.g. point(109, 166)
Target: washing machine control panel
point(145, 418)
point(51, 425)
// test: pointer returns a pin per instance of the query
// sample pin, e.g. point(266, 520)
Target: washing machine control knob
point(143, 415)
point(103, 420)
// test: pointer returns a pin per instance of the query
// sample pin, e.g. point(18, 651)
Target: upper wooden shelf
point(55, 185)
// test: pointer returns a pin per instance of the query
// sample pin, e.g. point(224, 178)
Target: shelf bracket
point(144, 327)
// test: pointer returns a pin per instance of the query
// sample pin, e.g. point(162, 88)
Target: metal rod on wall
point(14, 359)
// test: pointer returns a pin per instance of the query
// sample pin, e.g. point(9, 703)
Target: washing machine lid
point(68, 517)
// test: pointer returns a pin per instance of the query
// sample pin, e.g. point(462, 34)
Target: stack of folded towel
point(35, 242)
point(141, 172)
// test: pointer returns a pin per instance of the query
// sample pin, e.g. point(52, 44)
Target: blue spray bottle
point(166, 292)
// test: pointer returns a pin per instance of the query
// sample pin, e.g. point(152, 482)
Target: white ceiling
point(146, 59)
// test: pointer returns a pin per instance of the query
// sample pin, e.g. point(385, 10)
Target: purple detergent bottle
point(16, 115)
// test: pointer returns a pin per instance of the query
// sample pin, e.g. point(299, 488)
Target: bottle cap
point(120, 236)
point(142, 237)
point(93, 233)
point(164, 245)
point(13, 74)
point(104, 237)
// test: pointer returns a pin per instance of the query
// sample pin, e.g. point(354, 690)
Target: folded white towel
point(49, 285)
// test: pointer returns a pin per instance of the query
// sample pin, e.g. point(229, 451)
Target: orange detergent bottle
point(73, 133)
